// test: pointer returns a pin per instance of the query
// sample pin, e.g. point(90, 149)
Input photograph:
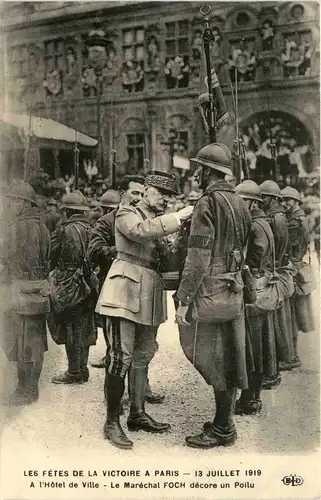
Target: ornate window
point(177, 45)
point(19, 58)
point(134, 53)
point(135, 152)
point(55, 55)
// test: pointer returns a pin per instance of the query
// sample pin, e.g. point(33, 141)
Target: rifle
point(239, 153)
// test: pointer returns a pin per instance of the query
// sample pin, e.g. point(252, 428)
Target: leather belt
point(137, 260)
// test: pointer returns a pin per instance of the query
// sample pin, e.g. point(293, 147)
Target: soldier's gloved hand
point(185, 213)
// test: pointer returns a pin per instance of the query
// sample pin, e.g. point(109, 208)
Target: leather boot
point(112, 428)
point(73, 375)
point(28, 392)
point(138, 419)
point(248, 403)
point(84, 355)
point(269, 383)
point(152, 397)
point(222, 431)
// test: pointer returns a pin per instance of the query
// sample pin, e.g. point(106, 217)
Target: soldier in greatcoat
point(134, 300)
point(75, 326)
point(259, 323)
point(272, 205)
point(102, 247)
point(299, 238)
point(217, 350)
point(25, 257)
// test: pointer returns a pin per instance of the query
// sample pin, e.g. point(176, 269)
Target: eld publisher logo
point(292, 480)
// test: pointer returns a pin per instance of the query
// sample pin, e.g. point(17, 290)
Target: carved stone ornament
point(53, 82)
point(70, 77)
point(177, 72)
point(133, 76)
point(89, 81)
point(153, 66)
point(267, 35)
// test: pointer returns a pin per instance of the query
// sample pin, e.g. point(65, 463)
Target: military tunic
point(24, 338)
point(299, 236)
point(67, 254)
point(133, 288)
point(282, 317)
point(261, 348)
point(216, 350)
point(133, 296)
point(102, 245)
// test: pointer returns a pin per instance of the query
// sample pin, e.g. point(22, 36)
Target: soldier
point(101, 248)
point(217, 350)
point(272, 205)
point(26, 262)
point(73, 327)
point(94, 213)
point(133, 298)
point(299, 237)
point(53, 215)
point(259, 325)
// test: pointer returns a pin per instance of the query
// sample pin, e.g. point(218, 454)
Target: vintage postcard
point(160, 250)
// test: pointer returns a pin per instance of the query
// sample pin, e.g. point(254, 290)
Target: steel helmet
point(110, 199)
point(270, 188)
point(216, 156)
point(249, 190)
point(23, 191)
point(75, 201)
point(290, 192)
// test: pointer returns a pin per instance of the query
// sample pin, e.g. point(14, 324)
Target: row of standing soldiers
point(129, 246)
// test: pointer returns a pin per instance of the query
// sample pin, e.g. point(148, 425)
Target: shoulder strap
point(82, 242)
point(235, 225)
point(45, 255)
point(273, 246)
point(144, 217)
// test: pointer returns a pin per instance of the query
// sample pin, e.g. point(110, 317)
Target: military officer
point(133, 298)
point(217, 350)
point(25, 257)
point(259, 325)
point(299, 238)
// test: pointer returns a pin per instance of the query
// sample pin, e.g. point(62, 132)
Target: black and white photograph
point(160, 250)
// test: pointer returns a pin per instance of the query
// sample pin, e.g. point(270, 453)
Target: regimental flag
point(219, 103)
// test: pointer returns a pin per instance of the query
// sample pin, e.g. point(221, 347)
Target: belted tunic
point(133, 289)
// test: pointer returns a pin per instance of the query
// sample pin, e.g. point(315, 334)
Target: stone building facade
point(147, 82)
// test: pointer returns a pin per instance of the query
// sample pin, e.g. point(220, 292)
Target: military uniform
point(282, 317)
point(74, 327)
point(299, 237)
point(217, 350)
point(133, 298)
point(25, 256)
point(133, 289)
point(102, 246)
point(260, 335)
